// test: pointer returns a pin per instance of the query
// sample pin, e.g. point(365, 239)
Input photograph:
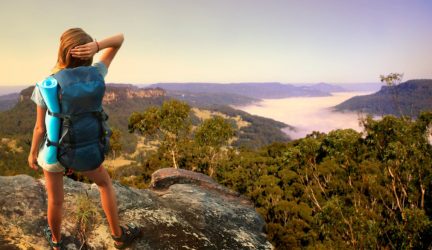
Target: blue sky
point(287, 41)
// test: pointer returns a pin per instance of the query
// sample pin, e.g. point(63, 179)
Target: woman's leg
point(54, 187)
point(109, 203)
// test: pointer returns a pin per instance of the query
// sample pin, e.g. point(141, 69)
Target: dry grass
point(86, 217)
point(12, 145)
point(207, 114)
point(117, 162)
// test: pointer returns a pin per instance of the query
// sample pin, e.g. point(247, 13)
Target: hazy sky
point(299, 41)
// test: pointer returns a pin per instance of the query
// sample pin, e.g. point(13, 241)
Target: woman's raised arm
point(109, 45)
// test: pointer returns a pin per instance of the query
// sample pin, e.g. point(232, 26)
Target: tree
point(115, 143)
point(211, 136)
point(170, 123)
point(392, 80)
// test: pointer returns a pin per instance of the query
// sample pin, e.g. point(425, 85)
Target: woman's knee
point(99, 176)
point(104, 182)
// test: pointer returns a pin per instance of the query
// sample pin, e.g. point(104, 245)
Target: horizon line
point(214, 82)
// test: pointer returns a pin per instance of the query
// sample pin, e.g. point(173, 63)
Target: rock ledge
point(181, 210)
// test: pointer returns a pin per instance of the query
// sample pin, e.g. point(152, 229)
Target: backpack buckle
point(101, 115)
point(51, 143)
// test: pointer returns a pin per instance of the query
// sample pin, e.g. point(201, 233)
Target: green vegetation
point(115, 142)
point(171, 125)
point(19, 120)
point(261, 131)
point(120, 110)
point(391, 80)
point(341, 190)
point(409, 98)
point(13, 156)
point(211, 137)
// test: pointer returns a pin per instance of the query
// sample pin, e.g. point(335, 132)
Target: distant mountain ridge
point(208, 94)
point(408, 98)
point(9, 89)
point(267, 90)
point(8, 101)
point(325, 87)
point(210, 99)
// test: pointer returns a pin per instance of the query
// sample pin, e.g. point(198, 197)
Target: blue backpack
point(84, 132)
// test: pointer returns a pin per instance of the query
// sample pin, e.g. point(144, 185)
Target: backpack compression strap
point(101, 115)
point(59, 115)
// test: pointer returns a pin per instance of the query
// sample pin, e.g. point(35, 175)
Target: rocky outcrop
point(116, 93)
point(182, 210)
point(113, 93)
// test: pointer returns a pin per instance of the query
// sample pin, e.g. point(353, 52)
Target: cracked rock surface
point(182, 210)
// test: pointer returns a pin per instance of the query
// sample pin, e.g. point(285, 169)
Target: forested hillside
point(408, 98)
point(341, 190)
point(121, 100)
point(17, 123)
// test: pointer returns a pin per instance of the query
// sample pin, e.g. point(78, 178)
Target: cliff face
point(113, 93)
point(182, 210)
point(116, 93)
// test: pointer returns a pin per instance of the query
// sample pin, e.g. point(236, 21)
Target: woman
point(77, 49)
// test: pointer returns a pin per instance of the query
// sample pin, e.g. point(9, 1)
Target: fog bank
point(308, 114)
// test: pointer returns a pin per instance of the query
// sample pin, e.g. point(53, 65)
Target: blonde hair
point(68, 40)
